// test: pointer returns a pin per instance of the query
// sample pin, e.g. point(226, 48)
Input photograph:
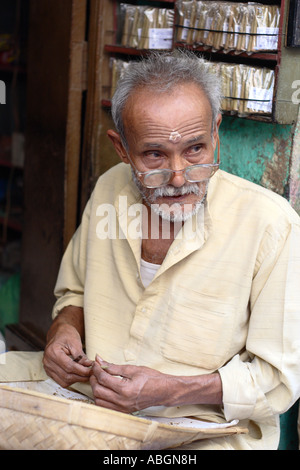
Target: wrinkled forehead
point(171, 116)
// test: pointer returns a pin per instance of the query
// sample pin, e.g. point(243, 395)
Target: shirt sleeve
point(268, 382)
point(69, 288)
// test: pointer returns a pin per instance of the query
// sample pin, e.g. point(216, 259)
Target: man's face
point(170, 131)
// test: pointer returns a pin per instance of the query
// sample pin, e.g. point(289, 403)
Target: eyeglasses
point(192, 174)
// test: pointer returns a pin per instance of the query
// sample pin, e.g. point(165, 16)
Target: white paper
point(260, 94)
point(265, 42)
point(49, 387)
point(191, 423)
point(160, 38)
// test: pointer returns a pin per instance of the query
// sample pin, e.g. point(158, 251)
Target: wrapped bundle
point(224, 15)
point(265, 28)
point(128, 13)
point(137, 27)
point(202, 22)
point(212, 24)
point(228, 25)
point(232, 27)
point(260, 93)
point(185, 11)
point(252, 90)
point(236, 27)
point(245, 90)
point(227, 71)
point(157, 31)
point(147, 27)
point(149, 21)
point(190, 37)
point(243, 82)
point(243, 22)
point(117, 66)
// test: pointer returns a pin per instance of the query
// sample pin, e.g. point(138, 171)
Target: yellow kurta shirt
point(226, 298)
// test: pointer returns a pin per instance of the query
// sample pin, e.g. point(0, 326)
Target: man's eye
point(153, 154)
point(195, 149)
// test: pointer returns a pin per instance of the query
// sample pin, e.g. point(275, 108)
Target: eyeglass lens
point(194, 174)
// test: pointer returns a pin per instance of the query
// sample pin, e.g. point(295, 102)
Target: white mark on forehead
point(174, 137)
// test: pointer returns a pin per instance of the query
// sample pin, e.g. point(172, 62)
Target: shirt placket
point(182, 246)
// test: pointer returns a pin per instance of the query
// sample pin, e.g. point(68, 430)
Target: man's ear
point(216, 128)
point(117, 143)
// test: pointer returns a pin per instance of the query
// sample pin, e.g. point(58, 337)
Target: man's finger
point(106, 397)
point(107, 376)
point(68, 370)
point(114, 369)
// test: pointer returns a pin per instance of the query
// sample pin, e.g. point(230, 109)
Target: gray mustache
point(171, 191)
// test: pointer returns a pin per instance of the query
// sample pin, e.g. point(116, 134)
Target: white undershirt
point(148, 271)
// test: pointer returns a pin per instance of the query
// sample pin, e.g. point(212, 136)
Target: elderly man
point(182, 280)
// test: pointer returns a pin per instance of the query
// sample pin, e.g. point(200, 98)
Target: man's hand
point(64, 360)
point(131, 388)
point(127, 388)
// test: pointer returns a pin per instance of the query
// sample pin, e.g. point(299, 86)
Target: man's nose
point(178, 166)
point(178, 178)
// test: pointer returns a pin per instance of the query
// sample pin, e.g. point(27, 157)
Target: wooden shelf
point(266, 56)
point(130, 51)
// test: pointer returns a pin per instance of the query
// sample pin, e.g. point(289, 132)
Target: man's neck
point(158, 235)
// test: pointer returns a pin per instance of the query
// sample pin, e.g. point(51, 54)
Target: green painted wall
point(261, 152)
point(257, 151)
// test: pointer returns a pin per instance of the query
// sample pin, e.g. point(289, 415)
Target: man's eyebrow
point(195, 139)
point(156, 145)
point(152, 145)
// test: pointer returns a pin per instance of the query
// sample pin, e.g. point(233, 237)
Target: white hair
point(161, 72)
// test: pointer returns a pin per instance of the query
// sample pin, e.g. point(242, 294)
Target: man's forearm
point(192, 390)
point(71, 316)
